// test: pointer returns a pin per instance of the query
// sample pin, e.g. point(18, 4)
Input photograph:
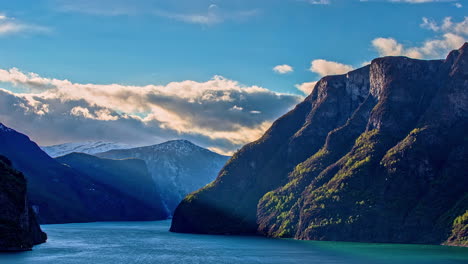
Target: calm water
point(150, 242)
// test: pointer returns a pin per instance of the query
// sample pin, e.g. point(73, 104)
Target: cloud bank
point(451, 35)
point(219, 113)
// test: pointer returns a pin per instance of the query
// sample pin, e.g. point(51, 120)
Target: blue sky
point(137, 43)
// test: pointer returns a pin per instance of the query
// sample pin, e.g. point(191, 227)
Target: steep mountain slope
point(61, 194)
point(178, 167)
point(128, 176)
point(263, 165)
point(90, 147)
point(368, 156)
point(19, 229)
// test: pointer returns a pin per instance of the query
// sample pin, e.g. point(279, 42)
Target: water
point(150, 242)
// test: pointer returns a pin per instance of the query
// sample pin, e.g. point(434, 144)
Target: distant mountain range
point(178, 167)
point(375, 155)
point(60, 193)
point(145, 183)
point(88, 147)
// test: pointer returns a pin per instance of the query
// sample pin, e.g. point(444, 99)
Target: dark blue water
point(150, 242)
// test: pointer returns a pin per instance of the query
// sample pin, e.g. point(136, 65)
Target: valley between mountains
point(379, 154)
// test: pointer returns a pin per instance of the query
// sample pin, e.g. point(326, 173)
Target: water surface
point(150, 242)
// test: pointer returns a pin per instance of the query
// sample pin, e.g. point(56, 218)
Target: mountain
point(61, 194)
point(177, 167)
point(375, 155)
point(128, 176)
point(19, 228)
point(89, 147)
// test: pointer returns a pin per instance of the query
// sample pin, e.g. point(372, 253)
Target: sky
point(215, 72)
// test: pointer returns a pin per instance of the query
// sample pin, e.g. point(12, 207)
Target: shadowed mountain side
point(368, 156)
point(128, 176)
point(177, 167)
point(61, 194)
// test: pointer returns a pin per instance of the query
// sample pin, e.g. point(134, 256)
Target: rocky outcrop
point(368, 156)
point(19, 229)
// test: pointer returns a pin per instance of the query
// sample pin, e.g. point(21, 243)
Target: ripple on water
point(150, 242)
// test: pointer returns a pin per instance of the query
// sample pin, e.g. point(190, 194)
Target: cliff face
point(19, 229)
point(263, 165)
point(376, 155)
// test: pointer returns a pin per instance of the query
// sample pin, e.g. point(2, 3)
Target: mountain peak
point(178, 145)
point(178, 141)
point(465, 46)
point(358, 155)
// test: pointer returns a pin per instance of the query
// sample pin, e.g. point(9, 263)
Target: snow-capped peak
point(88, 147)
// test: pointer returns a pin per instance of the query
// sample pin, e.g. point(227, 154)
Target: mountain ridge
point(365, 157)
point(88, 147)
point(128, 176)
point(177, 167)
point(61, 194)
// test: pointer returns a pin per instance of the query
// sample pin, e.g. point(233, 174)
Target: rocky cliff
point(375, 155)
point(19, 229)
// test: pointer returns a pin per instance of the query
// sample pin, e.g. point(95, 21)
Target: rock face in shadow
point(61, 194)
point(128, 176)
point(375, 155)
point(19, 229)
point(178, 167)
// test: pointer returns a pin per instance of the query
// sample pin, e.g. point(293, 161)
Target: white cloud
point(205, 14)
point(236, 108)
point(319, 2)
point(366, 63)
point(217, 113)
point(390, 47)
point(9, 26)
point(446, 26)
point(453, 35)
point(283, 69)
point(458, 5)
point(214, 15)
point(324, 67)
point(306, 87)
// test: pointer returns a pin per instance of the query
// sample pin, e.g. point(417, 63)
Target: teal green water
point(150, 242)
